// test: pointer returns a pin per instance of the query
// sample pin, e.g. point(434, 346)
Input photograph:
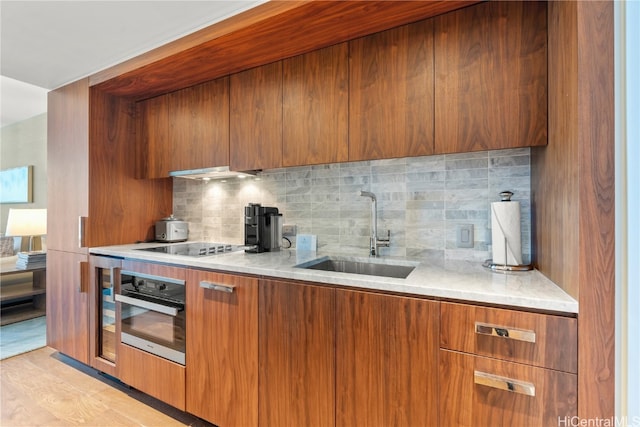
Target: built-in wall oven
point(152, 314)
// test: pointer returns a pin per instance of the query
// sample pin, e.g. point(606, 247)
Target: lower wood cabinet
point(297, 355)
point(68, 304)
point(501, 367)
point(158, 377)
point(222, 348)
point(386, 360)
point(480, 391)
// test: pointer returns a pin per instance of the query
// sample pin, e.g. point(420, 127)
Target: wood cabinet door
point(256, 118)
point(222, 348)
point(68, 304)
point(386, 360)
point(153, 131)
point(297, 355)
point(156, 376)
point(67, 165)
point(483, 392)
point(199, 126)
point(391, 93)
point(491, 77)
point(315, 107)
point(542, 340)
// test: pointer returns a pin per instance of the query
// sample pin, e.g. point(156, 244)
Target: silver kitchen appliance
point(152, 314)
point(195, 249)
point(262, 228)
point(171, 229)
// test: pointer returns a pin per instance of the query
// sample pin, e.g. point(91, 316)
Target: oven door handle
point(160, 308)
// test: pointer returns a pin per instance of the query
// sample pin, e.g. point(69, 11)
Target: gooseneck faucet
point(374, 242)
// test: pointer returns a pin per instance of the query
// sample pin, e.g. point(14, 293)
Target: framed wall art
point(16, 185)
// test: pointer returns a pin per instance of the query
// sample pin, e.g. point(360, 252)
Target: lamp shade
point(27, 222)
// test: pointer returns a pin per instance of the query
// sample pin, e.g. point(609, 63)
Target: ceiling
point(46, 44)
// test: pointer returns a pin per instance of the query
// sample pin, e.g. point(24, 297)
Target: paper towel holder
point(505, 196)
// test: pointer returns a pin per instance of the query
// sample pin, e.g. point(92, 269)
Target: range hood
point(218, 172)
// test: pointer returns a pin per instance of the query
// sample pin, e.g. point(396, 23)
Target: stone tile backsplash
point(420, 199)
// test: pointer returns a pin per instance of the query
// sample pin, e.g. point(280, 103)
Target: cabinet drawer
point(480, 391)
point(158, 377)
point(542, 340)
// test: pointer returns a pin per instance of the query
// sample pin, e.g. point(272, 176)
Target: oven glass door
point(154, 325)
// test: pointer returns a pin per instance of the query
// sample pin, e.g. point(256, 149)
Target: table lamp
point(27, 222)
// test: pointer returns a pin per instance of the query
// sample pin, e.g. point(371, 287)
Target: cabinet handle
point(503, 383)
point(84, 274)
point(81, 225)
point(217, 287)
point(511, 333)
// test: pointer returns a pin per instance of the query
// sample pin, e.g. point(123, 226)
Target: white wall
point(21, 144)
point(627, 71)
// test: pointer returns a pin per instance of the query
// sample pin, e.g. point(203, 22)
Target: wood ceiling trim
point(270, 32)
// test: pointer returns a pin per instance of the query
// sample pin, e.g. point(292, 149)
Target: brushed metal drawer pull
point(217, 287)
point(503, 383)
point(512, 333)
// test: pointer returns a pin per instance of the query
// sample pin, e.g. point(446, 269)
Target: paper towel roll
point(505, 233)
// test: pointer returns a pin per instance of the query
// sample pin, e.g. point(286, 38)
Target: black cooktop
point(195, 249)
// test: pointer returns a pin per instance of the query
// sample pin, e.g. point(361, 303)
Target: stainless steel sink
point(370, 268)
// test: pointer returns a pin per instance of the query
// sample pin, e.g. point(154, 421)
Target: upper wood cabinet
point(153, 137)
point(315, 107)
point(391, 93)
point(199, 126)
point(187, 129)
point(67, 144)
point(491, 77)
point(256, 118)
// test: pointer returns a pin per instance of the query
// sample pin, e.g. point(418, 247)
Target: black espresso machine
point(262, 228)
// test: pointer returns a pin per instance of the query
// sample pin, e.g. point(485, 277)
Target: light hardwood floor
point(45, 388)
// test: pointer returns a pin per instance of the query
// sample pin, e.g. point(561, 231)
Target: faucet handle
point(385, 242)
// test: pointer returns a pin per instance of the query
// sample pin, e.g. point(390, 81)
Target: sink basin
point(345, 265)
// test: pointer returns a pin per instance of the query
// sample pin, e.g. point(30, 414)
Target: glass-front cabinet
point(104, 283)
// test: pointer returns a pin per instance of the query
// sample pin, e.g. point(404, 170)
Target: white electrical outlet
point(289, 230)
point(464, 236)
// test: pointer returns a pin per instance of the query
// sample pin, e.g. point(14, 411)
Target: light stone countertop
point(456, 280)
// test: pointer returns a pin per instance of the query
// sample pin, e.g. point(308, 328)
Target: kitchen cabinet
point(186, 129)
point(222, 348)
point(153, 140)
point(506, 367)
point(158, 377)
point(297, 354)
point(315, 107)
point(68, 187)
point(68, 304)
point(256, 118)
point(491, 77)
point(386, 360)
point(391, 95)
point(67, 144)
point(94, 200)
point(484, 392)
